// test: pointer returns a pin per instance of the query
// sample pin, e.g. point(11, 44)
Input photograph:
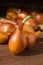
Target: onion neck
point(26, 18)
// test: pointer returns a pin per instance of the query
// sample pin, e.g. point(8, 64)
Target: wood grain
point(32, 56)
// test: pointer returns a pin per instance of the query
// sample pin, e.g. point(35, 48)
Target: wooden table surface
point(32, 56)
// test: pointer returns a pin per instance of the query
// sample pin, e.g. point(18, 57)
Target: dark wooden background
point(32, 56)
point(29, 5)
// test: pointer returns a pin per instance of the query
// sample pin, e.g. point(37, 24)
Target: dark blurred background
point(29, 5)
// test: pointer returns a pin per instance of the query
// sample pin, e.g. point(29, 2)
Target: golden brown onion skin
point(8, 28)
point(38, 16)
point(17, 42)
point(22, 14)
point(3, 37)
point(31, 39)
point(12, 15)
point(31, 22)
point(1, 23)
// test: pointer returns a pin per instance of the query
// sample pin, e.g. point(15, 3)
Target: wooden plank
point(32, 56)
